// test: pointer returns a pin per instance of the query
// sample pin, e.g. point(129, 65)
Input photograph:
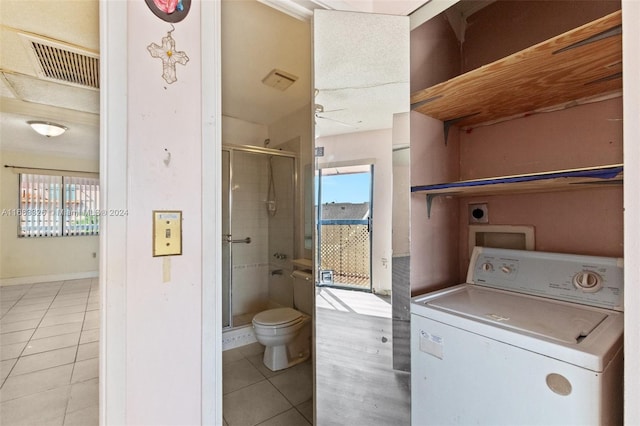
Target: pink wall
point(435, 54)
point(583, 136)
point(434, 245)
point(586, 221)
point(435, 57)
point(505, 27)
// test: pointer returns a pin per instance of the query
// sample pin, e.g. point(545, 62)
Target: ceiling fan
point(319, 109)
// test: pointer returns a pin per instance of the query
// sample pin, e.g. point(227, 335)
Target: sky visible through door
point(346, 188)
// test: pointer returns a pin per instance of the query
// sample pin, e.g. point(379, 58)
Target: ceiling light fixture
point(47, 129)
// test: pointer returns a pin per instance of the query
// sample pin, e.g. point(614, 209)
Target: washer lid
point(277, 316)
point(550, 319)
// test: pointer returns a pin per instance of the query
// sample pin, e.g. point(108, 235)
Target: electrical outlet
point(478, 213)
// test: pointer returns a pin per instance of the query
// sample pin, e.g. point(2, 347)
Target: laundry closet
point(516, 110)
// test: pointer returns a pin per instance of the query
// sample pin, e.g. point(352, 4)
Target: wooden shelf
point(583, 63)
point(560, 180)
point(534, 182)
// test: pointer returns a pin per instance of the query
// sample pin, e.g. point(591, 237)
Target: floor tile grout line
point(73, 369)
point(302, 414)
point(275, 415)
point(268, 379)
point(17, 300)
point(281, 393)
point(245, 387)
point(38, 326)
point(30, 338)
point(66, 406)
point(45, 390)
point(54, 349)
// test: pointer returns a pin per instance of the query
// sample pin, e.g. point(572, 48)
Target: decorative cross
point(169, 57)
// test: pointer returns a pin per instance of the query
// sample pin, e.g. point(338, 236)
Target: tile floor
point(255, 395)
point(49, 353)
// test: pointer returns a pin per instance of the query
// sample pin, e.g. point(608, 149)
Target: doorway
point(258, 206)
point(344, 227)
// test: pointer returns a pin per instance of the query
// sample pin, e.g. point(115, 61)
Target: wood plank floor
point(355, 382)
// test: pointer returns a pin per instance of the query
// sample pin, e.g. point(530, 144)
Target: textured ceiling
point(255, 38)
point(361, 76)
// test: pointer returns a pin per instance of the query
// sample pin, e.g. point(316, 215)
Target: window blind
point(81, 206)
point(58, 205)
point(40, 197)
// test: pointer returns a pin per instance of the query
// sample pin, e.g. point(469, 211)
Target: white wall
point(241, 132)
point(159, 360)
point(630, 50)
point(373, 147)
point(24, 260)
point(283, 133)
point(401, 185)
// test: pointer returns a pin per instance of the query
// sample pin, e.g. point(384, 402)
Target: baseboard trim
point(47, 278)
point(237, 337)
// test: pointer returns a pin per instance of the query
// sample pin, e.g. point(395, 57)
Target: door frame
point(319, 221)
point(114, 141)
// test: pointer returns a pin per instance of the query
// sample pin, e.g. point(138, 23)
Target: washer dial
point(487, 267)
point(587, 281)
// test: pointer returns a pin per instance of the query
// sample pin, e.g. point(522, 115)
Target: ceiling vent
point(63, 63)
point(279, 79)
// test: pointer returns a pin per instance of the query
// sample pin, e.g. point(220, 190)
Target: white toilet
point(286, 332)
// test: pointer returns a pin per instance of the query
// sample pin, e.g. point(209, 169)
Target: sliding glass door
point(344, 232)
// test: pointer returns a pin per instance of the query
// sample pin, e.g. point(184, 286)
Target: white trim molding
point(48, 278)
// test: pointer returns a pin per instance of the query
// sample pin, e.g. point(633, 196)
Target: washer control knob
point(587, 281)
point(506, 269)
point(487, 267)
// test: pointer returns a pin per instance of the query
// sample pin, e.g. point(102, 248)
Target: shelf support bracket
point(430, 198)
point(448, 123)
point(612, 32)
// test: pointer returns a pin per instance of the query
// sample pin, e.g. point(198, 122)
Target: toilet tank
point(303, 291)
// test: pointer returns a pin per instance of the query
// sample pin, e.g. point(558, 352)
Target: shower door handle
point(227, 238)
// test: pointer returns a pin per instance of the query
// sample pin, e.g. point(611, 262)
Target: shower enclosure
point(258, 223)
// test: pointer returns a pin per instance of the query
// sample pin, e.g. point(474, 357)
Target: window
point(53, 206)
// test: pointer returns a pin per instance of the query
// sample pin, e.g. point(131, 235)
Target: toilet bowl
point(286, 332)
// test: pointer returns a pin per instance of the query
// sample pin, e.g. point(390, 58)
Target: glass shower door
point(226, 245)
point(258, 220)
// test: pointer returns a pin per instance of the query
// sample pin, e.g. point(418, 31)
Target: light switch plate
point(167, 233)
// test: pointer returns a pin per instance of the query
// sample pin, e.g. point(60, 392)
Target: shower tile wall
point(250, 219)
point(281, 231)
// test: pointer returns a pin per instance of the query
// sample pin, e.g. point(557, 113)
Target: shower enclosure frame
point(228, 239)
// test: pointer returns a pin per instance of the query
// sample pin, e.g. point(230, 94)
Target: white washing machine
point(532, 338)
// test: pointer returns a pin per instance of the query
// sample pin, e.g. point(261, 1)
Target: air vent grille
point(66, 65)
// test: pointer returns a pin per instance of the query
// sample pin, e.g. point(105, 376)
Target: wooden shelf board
point(535, 78)
point(536, 182)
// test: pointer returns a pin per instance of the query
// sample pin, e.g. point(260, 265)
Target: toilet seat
point(279, 317)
